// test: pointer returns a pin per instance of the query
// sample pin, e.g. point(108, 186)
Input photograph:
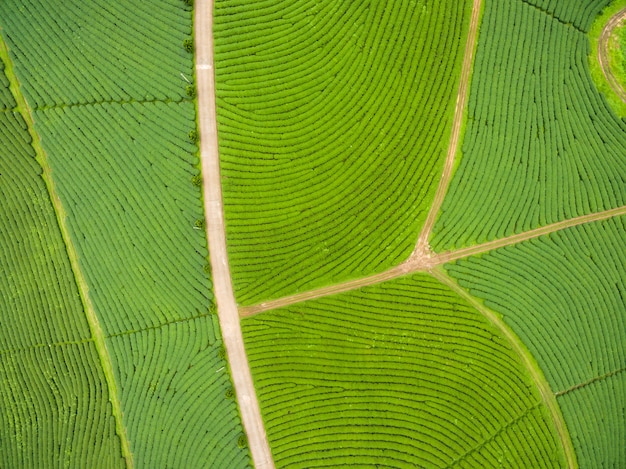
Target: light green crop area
point(53, 396)
point(117, 131)
point(401, 374)
point(563, 296)
point(541, 144)
point(334, 119)
point(616, 56)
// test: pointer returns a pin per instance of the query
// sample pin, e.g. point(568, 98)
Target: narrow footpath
point(603, 53)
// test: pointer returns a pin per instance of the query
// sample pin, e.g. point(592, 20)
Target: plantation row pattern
point(568, 307)
point(46, 354)
point(401, 374)
point(541, 146)
point(333, 122)
point(125, 55)
point(541, 143)
point(119, 136)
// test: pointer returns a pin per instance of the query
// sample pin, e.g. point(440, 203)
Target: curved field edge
point(526, 357)
point(92, 318)
point(600, 80)
point(408, 363)
point(563, 294)
point(316, 189)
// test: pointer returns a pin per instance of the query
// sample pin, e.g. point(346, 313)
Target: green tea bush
point(334, 119)
point(401, 374)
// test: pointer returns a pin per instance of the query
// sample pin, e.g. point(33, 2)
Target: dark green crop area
point(53, 396)
point(563, 295)
point(116, 127)
point(334, 119)
point(401, 374)
point(541, 143)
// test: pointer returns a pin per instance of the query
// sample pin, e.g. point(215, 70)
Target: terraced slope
point(563, 295)
point(125, 170)
point(541, 144)
point(334, 119)
point(401, 374)
point(54, 402)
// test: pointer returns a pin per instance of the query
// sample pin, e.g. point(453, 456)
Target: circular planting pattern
point(333, 122)
point(404, 301)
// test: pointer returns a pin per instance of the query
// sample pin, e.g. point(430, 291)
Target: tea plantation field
point(541, 143)
point(567, 305)
point(335, 122)
point(113, 134)
point(401, 374)
point(333, 119)
point(46, 351)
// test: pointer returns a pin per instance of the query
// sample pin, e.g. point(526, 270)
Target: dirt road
point(421, 248)
point(427, 262)
point(216, 233)
point(603, 53)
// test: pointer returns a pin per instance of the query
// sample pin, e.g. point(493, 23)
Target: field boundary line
point(495, 434)
point(449, 256)
point(590, 381)
point(83, 288)
point(427, 262)
point(603, 53)
point(343, 287)
point(216, 234)
point(422, 247)
point(547, 395)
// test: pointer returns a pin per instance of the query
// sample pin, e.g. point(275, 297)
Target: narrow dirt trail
point(427, 262)
point(603, 53)
point(444, 257)
point(422, 248)
point(216, 233)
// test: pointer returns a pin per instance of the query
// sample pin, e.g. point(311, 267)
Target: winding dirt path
point(422, 248)
point(216, 233)
point(603, 53)
point(427, 262)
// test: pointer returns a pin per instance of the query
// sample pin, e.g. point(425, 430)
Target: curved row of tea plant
point(6, 98)
point(578, 13)
point(334, 119)
point(125, 171)
point(541, 143)
point(563, 295)
point(124, 174)
point(53, 395)
point(401, 374)
point(175, 382)
point(98, 50)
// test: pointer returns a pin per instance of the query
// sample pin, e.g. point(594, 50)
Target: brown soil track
point(427, 262)
point(216, 234)
point(421, 248)
point(603, 53)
